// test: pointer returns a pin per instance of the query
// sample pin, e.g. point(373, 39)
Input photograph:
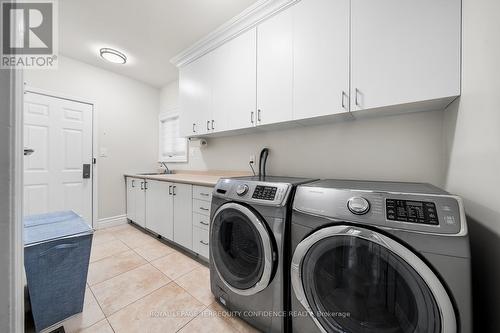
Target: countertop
point(202, 178)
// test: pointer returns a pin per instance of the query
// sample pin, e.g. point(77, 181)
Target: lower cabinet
point(136, 200)
point(202, 197)
point(177, 212)
point(159, 208)
point(200, 241)
point(183, 205)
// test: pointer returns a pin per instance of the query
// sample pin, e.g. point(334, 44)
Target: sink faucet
point(167, 170)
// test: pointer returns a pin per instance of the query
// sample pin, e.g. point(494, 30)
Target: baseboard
point(111, 221)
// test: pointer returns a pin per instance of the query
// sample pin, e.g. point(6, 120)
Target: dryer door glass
point(355, 285)
point(241, 248)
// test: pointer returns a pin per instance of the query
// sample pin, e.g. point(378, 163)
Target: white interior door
point(60, 133)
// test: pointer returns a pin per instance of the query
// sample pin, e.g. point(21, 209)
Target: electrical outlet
point(252, 158)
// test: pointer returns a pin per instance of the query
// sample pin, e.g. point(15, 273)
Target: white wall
point(127, 115)
point(473, 123)
point(473, 148)
point(402, 148)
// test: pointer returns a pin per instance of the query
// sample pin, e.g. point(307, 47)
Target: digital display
point(264, 192)
point(411, 211)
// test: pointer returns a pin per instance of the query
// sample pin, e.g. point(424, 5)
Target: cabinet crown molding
point(247, 19)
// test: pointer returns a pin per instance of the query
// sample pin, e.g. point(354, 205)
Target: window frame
point(170, 159)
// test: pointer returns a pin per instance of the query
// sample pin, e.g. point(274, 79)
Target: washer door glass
point(237, 246)
point(355, 285)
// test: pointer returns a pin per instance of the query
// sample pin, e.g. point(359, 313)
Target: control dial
point(242, 189)
point(358, 205)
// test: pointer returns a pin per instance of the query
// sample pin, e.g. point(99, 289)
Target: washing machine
point(249, 220)
point(379, 257)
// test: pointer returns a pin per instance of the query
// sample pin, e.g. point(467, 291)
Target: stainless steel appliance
point(379, 257)
point(249, 222)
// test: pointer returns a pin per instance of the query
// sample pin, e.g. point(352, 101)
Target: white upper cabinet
point(195, 96)
point(234, 82)
point(306, 59)
point(218, 90)
point(404, 51)
point(275, 69)
point(320, 58)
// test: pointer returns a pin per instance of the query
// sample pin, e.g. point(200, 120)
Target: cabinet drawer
point(202, 193)
point(200, 241)
point(201, 221)
point(201, 207)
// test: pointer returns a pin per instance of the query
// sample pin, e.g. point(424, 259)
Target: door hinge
point(94, 160)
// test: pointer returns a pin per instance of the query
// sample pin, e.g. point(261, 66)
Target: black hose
point(262, 163)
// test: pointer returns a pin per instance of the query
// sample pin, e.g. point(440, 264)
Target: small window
point(173, 147)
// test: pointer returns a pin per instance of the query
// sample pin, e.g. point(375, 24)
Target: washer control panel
point(423, 212)
point(258, 192)
point(264, 192)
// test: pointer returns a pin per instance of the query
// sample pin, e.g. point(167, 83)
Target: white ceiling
point(149, 32)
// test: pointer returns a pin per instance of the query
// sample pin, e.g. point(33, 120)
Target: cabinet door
point(159, 209)
point(183, 206)
point(404, 51)
point(131, 194)
point(140, 202)
point(320, 58)
point(275, 69)
point(221, 88)
point(195, 94)
point(235, 91)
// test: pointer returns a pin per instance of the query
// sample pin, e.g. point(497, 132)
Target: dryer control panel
point(432, 213)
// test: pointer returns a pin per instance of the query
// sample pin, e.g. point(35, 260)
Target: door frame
point(39, 91)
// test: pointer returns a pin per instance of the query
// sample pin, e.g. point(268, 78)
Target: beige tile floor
point(137, 283)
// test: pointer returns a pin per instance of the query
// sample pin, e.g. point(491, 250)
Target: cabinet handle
point(133, 183)
point(213, 124)
point(142, 185)
point(204, 223)
point(208, 125)
point(258, 115)
point(203, 208)
point(173, 189)
point(145, 185)
point(204, 243)
point(356, 100)
point(194, 129)
point(204, 194)
point(343, 99)
point(251, 117)
point(170, 190)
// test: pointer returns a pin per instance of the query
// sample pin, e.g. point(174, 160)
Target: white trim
point(111, 221)
point(95, 137)
point(16, 193)
point(247, 19)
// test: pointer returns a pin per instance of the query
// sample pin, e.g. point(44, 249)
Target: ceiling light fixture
point(113, 55)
